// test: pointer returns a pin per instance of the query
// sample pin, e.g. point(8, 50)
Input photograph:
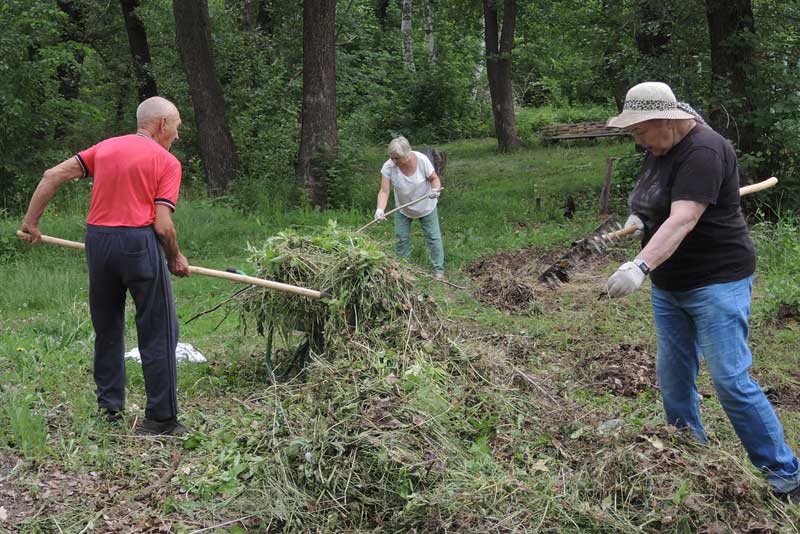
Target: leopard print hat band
point(652, 100)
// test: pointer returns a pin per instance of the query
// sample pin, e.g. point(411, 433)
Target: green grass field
point(538, 412)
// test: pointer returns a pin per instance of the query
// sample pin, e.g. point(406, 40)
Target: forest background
point(73, 72)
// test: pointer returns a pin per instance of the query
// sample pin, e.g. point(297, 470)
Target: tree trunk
point(318, 135)
point(476, 75)
point(140, 50)
point(732, 29)
point(498, 67)
point(193, 36)
point(427, 25)
point(405, 30)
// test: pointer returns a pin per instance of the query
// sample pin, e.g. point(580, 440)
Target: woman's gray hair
point(399, 147)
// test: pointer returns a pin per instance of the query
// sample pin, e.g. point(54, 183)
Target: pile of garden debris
point(374, 300)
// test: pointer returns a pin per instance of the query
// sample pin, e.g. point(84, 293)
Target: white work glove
point(625, 280)
point(634, 220)
point(379, 215)
point(434, 193)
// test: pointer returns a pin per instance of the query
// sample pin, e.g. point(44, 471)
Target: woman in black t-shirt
point(697, 249)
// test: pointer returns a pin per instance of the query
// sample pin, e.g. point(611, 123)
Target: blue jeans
point(712, 321)
point(433, 237)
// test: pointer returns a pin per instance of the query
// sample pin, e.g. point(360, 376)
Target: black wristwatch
point(641, 264)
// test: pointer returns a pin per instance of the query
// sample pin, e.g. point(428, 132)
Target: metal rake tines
point(601, 241)
point(593, 245)
point(558, 272)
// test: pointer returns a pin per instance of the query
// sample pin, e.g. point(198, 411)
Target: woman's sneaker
point(791, 497)
point(166, 427)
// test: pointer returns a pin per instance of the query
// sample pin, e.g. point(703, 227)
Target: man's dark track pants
point(124, 259)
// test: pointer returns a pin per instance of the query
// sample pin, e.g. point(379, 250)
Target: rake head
point(593, 245)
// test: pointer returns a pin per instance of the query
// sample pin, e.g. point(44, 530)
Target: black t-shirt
point(702, 168)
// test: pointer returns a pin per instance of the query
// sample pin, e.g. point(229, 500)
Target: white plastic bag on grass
point(184, 351)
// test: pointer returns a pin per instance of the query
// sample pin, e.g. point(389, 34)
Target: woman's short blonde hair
point(399, 147)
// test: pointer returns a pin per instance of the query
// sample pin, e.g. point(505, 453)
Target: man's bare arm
point(165, 230)
point(52, 179)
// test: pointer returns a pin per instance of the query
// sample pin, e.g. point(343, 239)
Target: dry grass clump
point(661, 479)
point(373, 300)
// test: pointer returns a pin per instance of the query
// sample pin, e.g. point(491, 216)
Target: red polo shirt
point(132, 174)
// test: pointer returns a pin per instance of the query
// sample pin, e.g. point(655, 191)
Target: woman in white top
point(412, 176)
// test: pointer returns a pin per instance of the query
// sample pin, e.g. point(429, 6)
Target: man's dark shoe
point(110, 415)
point(792, 497)
point(166, 427)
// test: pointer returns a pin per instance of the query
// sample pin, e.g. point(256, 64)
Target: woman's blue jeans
point(433, 237)
point(712, 322)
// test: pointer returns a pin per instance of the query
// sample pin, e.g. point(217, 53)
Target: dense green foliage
point(568, 55)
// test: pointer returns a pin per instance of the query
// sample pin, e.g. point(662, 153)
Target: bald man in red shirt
point(129, 234)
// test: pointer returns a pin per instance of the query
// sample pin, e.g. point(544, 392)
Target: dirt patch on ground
point(516, 348)
point(785, 396)
point(626, 370)
point(783, 390)
point(505, 292)
point(512, 261)
point(15, 502)
point(46, 490)
point(32, 492)
point(786, 315)
point(509, 280)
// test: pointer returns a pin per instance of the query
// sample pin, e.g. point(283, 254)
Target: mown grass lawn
point(539, 413)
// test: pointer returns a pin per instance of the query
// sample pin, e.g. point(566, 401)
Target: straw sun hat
point(651, 100)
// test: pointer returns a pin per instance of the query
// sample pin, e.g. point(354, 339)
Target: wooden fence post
point(606, 191)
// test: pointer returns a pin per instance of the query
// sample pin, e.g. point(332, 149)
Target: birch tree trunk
point(405, 30)
point(427, 26)
point(482, 63)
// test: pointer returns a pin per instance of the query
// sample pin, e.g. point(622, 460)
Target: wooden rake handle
point(232, 277)
point(407, 204)
point(746, 190)
point(760, 186)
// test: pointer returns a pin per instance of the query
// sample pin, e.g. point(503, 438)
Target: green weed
point(27, 429)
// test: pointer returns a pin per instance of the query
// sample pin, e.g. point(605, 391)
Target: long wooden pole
point(407, 204)
point(232, 277)
point(746, 190)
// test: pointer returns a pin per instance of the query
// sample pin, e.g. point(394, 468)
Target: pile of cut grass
point(373, 300)
point(397, 425)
